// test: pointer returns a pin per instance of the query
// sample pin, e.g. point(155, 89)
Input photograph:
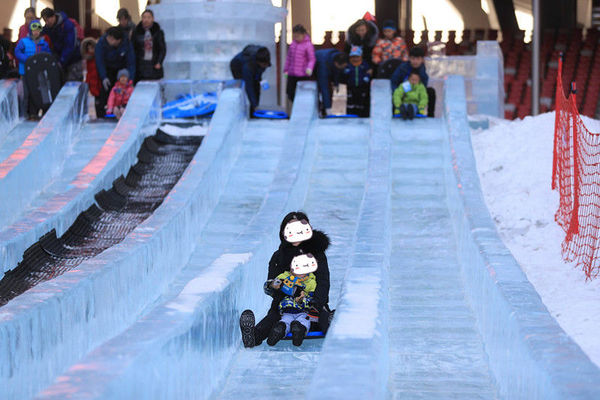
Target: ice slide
point(429, 303)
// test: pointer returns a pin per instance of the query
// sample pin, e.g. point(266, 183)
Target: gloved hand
point(336, 89)
point(406, 86)
point(264, 85)
point(285, 74)
point(308, 72)
point(106, 84)
point(328, 111)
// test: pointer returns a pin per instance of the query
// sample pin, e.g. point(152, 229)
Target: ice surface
point(9, 106)
point(47, 145)
point(68, 195)
point(543, 361)
point(227, 27)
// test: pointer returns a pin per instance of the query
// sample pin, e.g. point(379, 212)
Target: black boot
point(247, 328)
point(277, 333)
point(410, 111)
point(403, 114)
point(298, 333)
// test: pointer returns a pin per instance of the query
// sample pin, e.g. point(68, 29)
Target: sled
point(270, 114)
point(43, 77)
point(342, 116)
point(416, 116)
point(188, 106)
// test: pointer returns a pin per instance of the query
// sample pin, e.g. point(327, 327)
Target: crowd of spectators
point(138, 49)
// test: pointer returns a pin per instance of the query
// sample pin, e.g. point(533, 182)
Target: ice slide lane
point(47, 145)
point(101, 152)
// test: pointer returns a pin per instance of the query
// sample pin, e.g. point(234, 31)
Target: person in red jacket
point(120, 94)
point(88, 53)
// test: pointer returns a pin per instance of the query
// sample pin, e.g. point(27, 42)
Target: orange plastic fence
point(576, 176)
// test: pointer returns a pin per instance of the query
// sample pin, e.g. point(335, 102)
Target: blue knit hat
point(390, 24)
point(122, 72)
point(356, 51)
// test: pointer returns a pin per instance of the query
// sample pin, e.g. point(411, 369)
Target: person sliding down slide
point(297, 238)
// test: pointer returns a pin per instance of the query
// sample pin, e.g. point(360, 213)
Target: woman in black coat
point(150, 48)
point(280, 262)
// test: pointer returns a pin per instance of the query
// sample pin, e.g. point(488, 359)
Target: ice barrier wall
point(484, 78)
point(56, 323)
point(114, 159)
point(198, 330)
point(356, 348)
point(530, 355)
point(9, 106)
point(41, 155)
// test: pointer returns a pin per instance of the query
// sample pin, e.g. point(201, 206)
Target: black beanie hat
point(417, 52)
point(299, 215)
point(263, 56)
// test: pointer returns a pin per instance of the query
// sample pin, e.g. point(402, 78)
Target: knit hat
point(35, 25)
point(355, 51)
point(122, 72)
point(390, 24)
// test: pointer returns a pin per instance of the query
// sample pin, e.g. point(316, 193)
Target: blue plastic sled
point(110, 116)
point(342, 116)
point(270, 114)
point(189, 105)
point(416, 116)
point(309, 335)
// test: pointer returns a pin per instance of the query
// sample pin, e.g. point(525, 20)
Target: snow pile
point(514, 162)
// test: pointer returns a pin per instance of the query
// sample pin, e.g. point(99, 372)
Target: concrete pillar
point(472, 14)
point(301, 14)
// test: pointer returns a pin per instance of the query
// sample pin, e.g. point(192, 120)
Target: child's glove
point(406, 86)
point(106, 84)
point(264, 85)
point(308, 72)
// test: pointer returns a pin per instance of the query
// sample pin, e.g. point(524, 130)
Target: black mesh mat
point(162, 160)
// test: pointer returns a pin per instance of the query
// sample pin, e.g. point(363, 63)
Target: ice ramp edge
point(530, 356)
point(114, 158)
point(9, 106)
point(355, 351)
point(54, 324)
point(48, 145)
point(188, 342)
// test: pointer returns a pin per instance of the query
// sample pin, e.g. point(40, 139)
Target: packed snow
point(514, 163)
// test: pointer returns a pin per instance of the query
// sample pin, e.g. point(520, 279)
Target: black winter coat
point(282, 258)
point(159, 52)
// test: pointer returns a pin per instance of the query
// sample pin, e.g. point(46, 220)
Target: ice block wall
point(9, 106)
point(483, 76)
point(529, 354)
point(203, 36)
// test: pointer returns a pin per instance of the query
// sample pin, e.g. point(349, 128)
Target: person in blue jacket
point(329, 67)
point(416, 62)
point(357, 76)
point(113, 53)
point(63, 36)
point(249, 65)
point(27, 47)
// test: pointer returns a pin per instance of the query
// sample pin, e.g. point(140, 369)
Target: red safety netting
point(576, 175)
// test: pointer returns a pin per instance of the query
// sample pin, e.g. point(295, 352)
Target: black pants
point(359, 101)
point(101, 100)
point(430, 102)
point(290, 88)
point(263, 328)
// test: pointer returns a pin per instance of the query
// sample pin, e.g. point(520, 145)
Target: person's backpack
point(78, 29)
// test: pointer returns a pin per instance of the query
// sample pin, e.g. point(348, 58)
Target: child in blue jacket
point(358, 84)
point(27, 47)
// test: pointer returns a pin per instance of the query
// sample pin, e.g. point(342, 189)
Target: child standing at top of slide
point(300, 60)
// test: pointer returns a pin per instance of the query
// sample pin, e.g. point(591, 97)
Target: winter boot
point(298, 333)
point(247, 328)
point(410, 111)
point(403, 113)
point(277, 333)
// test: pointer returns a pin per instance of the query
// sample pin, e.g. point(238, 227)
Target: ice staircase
point(429, 302)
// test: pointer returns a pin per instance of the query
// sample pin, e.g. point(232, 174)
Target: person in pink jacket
point(120, 94)
point(300, 60)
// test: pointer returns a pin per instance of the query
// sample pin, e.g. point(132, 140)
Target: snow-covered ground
point(514, 162)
